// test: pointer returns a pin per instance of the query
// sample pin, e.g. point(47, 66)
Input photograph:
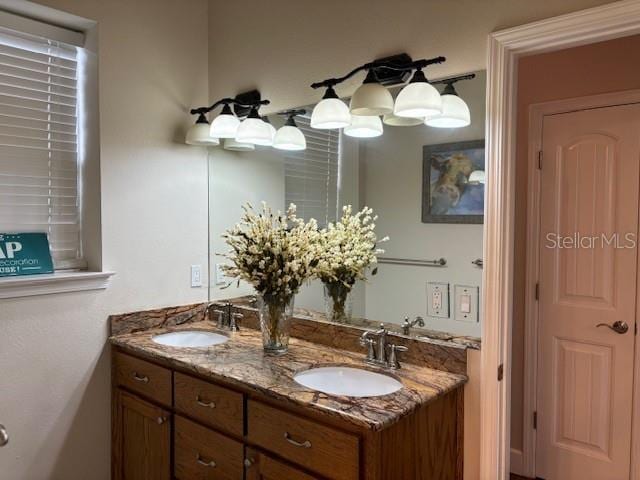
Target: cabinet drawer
point(209, 403)
point(202, 454)
point(150, 380)
point(319, 448)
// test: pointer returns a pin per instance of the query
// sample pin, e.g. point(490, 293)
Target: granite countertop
point(242, 362)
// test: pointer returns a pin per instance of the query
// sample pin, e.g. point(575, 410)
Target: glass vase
point(275, 324)
point(338, 302)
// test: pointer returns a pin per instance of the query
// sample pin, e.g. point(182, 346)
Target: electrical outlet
point(196, 276)
point(438, 299)
point(466, 303)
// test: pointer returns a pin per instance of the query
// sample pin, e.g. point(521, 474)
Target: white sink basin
point(190, 338)
point(348, 382)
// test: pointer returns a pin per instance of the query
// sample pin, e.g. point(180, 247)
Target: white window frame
point(43, 21)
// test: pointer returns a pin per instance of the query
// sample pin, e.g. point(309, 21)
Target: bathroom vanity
point(230, 412)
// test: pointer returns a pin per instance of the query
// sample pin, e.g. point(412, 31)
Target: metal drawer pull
point(205, 404)
point(305, 444)
point(248, 462)
point(204, 463)
point(4, 436)
point(161, 420)
point(138, 378)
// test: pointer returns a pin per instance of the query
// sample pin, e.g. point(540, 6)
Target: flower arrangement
point(276, 253)
point(349, 247)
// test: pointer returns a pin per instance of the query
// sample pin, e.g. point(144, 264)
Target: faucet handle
point(234, 321)
point(393, 355)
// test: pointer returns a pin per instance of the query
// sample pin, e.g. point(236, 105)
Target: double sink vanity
point(196, 399)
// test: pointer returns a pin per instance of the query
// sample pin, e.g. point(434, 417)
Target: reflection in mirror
point(426, 185)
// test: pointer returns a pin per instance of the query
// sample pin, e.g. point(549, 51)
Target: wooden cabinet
point(171, 425)
point(202, 454)
point(262, 467)
point(141, 439)
point(319, 448)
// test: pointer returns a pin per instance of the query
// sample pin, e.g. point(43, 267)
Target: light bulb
point(231, 144)
point(391, 119)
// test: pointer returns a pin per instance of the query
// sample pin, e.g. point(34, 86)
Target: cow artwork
point(453, 183)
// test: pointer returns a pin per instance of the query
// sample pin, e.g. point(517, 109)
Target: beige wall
point(282, 46)
point(55, 381)
point(589, 70)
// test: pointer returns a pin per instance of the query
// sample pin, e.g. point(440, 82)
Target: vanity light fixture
point(198, 134)
point(272, 129)
point(372, 98)
point(289, 136)
point(226, 124)
point(364, 127)
point(455, 111)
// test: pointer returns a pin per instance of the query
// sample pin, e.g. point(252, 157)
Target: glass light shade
point(455, 114)
point(231, 144)
point(256, 131)
point(371, 99)
point(199, 135)
point(364, 127)
point(289, 138)
point(477, 177)
point(418, 99)
point(330, 113)
point(272, 129)
point(391, 119)
point(225, 126)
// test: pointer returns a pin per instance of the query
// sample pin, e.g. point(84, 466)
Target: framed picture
point(453, 182)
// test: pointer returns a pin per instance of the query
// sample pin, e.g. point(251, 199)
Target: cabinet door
point(141, 440)
point(262, 467)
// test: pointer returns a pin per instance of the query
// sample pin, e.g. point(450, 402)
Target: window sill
point(61, 282)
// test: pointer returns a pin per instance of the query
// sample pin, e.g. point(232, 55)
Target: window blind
point(311, 175)
point(39, 170)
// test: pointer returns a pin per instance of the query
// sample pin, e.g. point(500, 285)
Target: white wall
point(391, 184)
point(55, 380)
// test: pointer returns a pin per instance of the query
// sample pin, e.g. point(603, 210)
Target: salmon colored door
point(587, 303)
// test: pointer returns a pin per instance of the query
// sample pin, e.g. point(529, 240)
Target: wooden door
point(141, 440)
point(588, 269)
point(260, 466)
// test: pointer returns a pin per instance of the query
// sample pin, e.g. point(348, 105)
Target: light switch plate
point(220, 276)
point(438, 299)
point(196, 275)
point(465, 303)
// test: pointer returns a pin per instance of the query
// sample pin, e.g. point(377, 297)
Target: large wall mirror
point(425, 184)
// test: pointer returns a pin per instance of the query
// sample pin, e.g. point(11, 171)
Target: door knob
point(4, 436)
point(618, 327)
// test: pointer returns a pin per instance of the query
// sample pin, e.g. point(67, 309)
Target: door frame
point(615, 20)
point(537, 112)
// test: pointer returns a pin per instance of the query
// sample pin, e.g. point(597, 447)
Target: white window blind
point(39, 167)
point(311, 175)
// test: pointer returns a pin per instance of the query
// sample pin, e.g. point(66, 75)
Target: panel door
point(588, 269)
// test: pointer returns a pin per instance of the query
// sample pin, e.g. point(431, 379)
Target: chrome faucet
point(379, 351)
point(226, 318)
point(407, 325)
